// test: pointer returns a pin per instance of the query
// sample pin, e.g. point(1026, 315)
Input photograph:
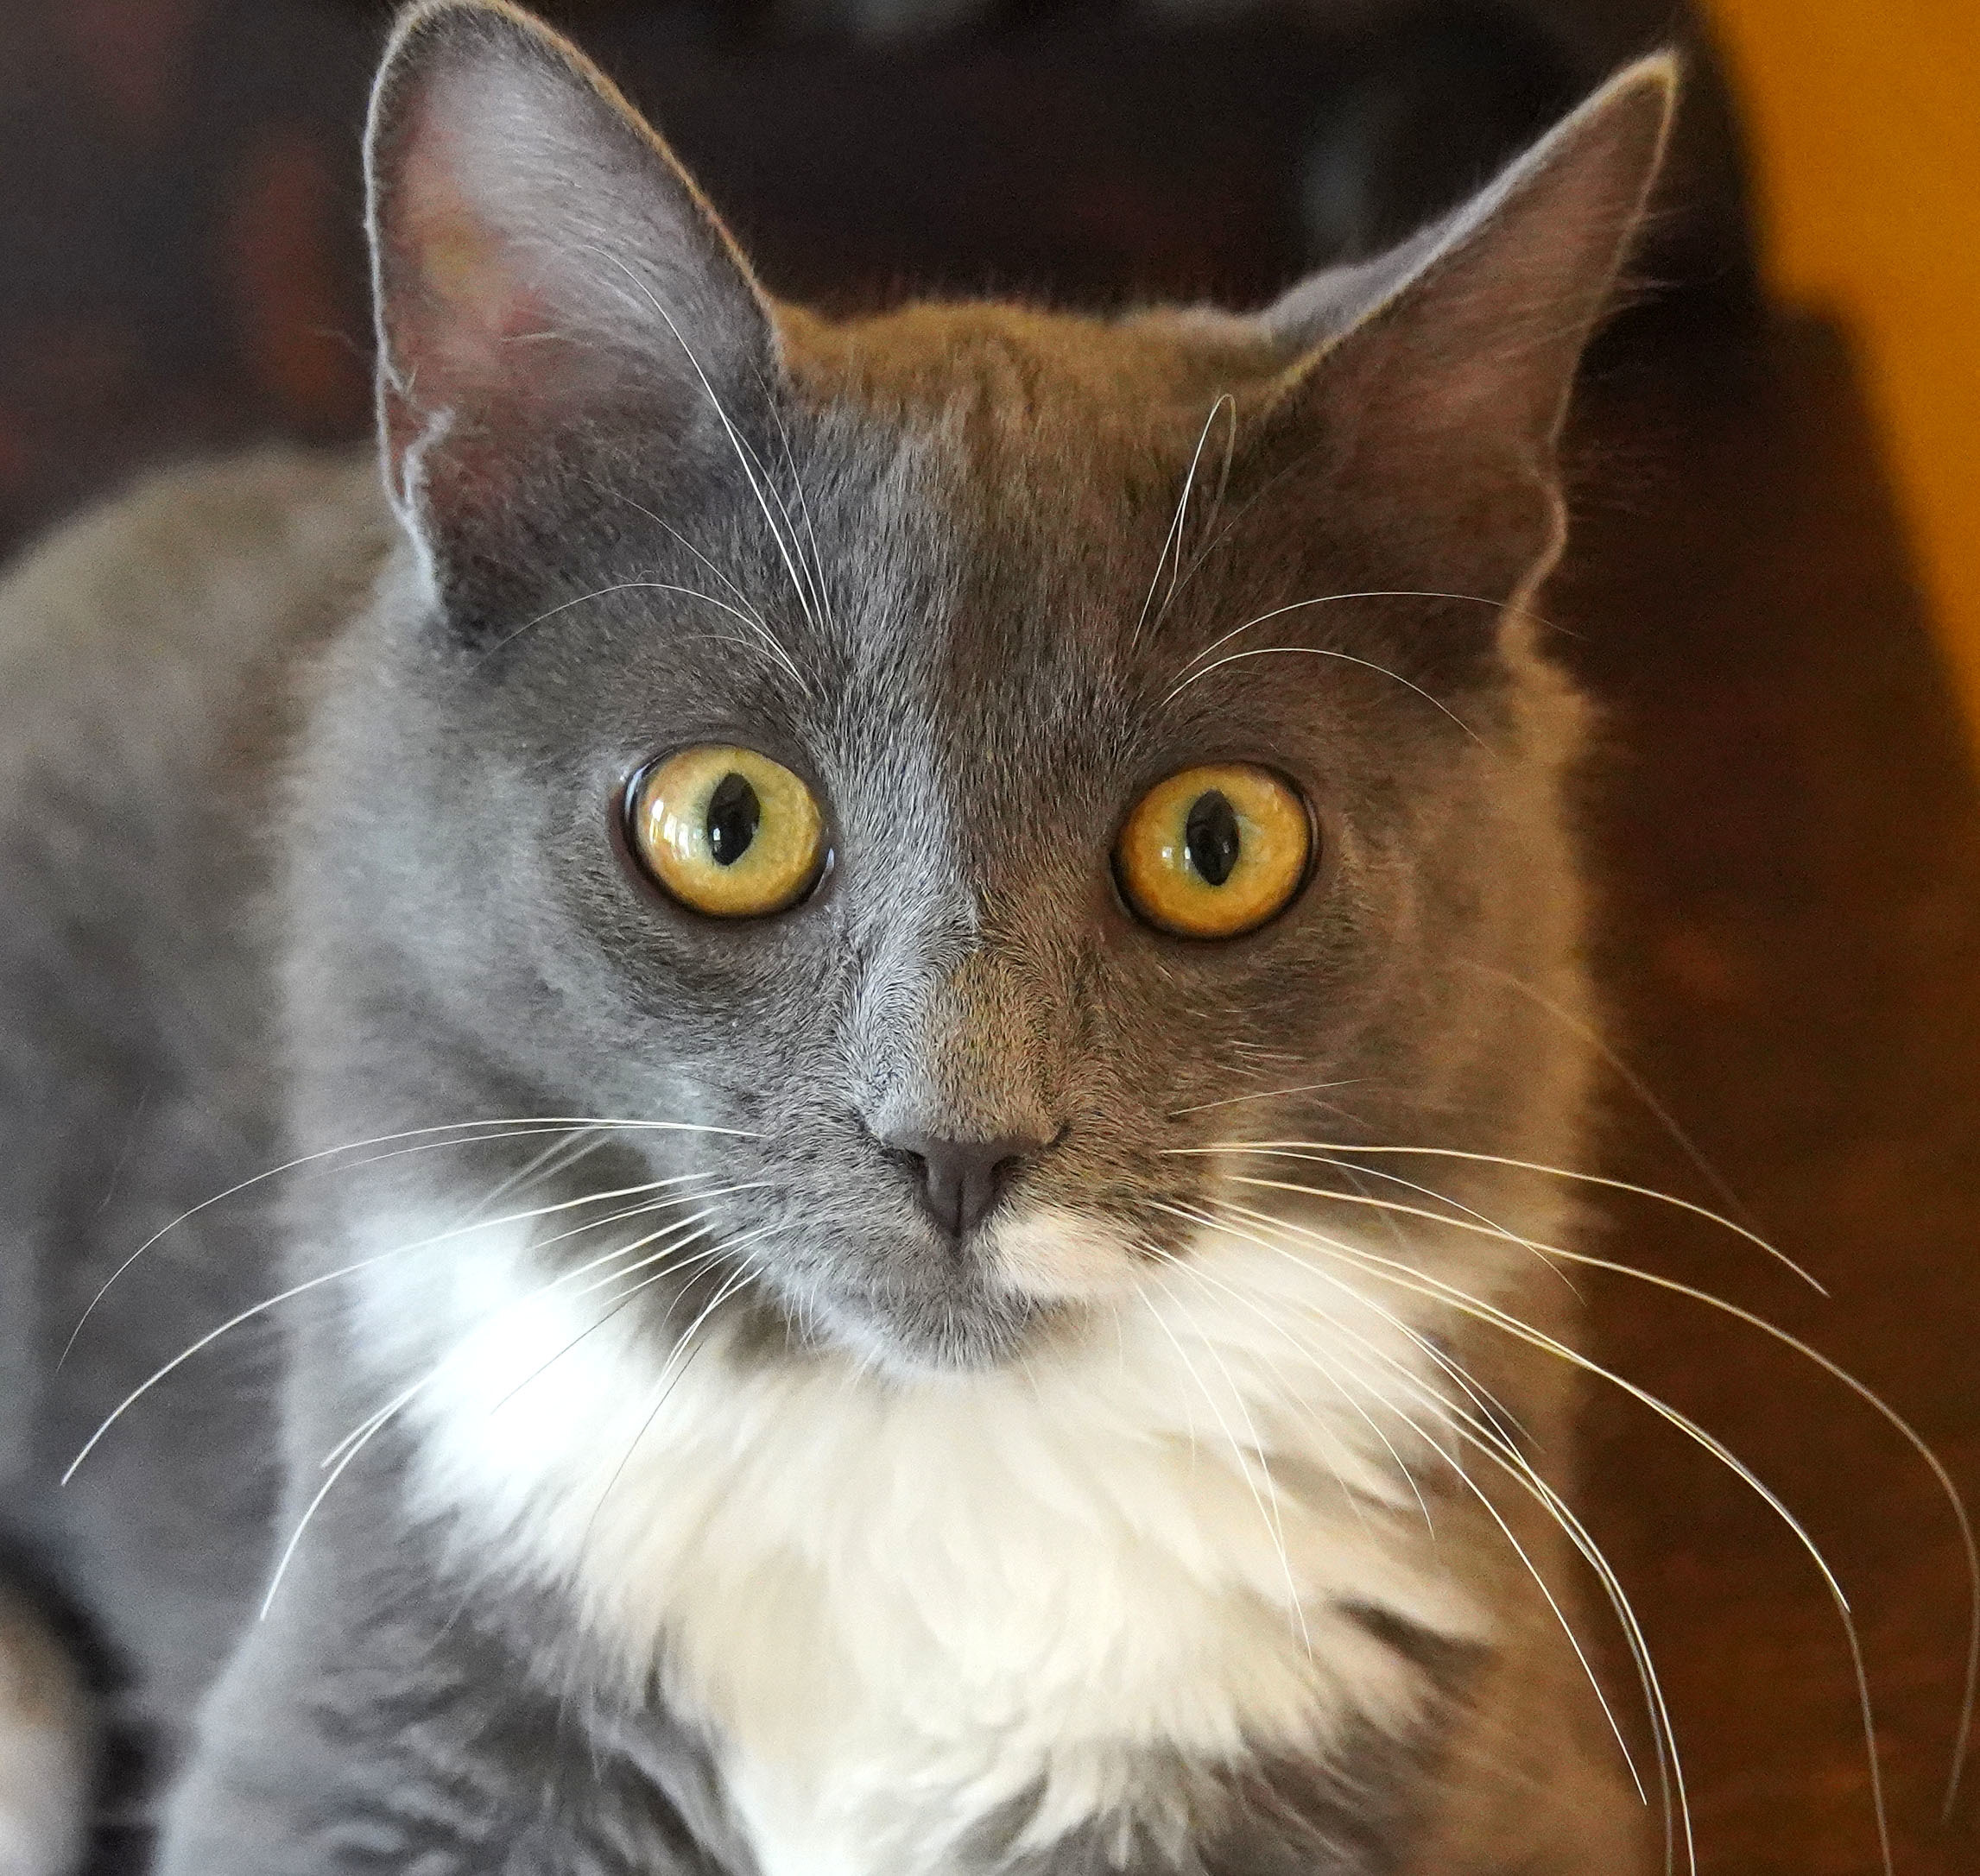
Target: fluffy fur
point(905, 1608)
point(589, 1454)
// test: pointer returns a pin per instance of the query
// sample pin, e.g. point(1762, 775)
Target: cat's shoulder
point(152, 654)
point(203, 561)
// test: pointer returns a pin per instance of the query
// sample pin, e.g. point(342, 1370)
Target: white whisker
point(1170, 555)
point(1264, 1094)
point(1421, 1284)
point(248, 1315)
point(1949, 1490)
point(1334, 599)
point(1480, 1431)
point(1314, 1149)
point(1628, 1076)
point(735, 591)
point(562, 1153)
point(1345, 657)
point(1324, 1368)
point(1466, 1218)
point(1275, 1522)
point(611, 1256)
point(669, 1376)
point(522, 1129)
point(340, 1462)
point(673, 1262)
point(775, 650)
point(745, 456)
point(340, 1457)
point(375, 1425)
point(804, 511)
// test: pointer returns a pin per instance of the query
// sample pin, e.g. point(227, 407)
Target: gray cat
point(876, 956)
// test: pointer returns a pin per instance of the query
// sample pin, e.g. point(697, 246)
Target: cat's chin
point(1030, 1282)
point(913, 1342)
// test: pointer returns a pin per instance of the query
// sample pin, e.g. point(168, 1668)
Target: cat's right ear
point(539, 262)
point(1432, 382)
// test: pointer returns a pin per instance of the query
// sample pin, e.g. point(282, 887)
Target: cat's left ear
point(1435, 379)
point(540, 262)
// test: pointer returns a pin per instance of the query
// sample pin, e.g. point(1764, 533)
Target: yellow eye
point(728, 831)
point(1214, 852)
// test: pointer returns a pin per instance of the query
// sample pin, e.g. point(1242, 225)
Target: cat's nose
point(959, 1181)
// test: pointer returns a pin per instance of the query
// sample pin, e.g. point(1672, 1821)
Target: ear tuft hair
point(537, 254)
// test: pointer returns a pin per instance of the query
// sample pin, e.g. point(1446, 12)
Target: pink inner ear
point(466, 297)
point(529, 234)
point(460, 296)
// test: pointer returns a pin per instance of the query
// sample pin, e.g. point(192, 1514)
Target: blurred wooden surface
point(1790, 837)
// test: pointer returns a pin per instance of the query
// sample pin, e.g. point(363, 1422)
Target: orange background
point(1864, 119)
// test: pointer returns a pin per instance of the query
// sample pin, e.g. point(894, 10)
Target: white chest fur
point(900, 1607)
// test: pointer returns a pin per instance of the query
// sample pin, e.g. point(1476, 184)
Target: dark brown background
point(1787, 828)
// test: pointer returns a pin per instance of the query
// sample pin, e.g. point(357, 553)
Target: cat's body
point(1152, 1515)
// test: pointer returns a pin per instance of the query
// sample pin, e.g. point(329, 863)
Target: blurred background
point(1773, 593)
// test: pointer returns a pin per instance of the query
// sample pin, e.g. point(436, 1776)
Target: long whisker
point(735, 591)
point(673, 1261)
point(1172, 544)
point(360, 1434)
point(1670, 1769)
point(1948, 1489)
point(1274, 1523)
point(318, 1282)
point(1663, 1730)
point(1422, 1283)
point(563, 1153)
point(1480, 1396)
point(1324, 1368)
point(1334, 599)
point(1628, 1076)
point(507, 1129)
point(371, 1428)
point(1486, 1437)
point(341, 1456)
point(804, 511)
point(745, 456)
point(670, 1375)
point(339, 1459)
point(1466, 1218)
point(1183, 576)
point(1484, 1433)
point(813, 567)
point(1311, 1149)
point(1345, 657)
point(613, 1256)
point(775, 649)
point(1233, 1224)
point(1264, 1094)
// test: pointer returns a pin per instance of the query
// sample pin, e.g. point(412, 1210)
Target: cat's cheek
point(1048, 1254)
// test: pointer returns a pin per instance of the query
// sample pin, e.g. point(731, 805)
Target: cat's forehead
point(978, 521)
point(1021, 382)
point(1010, 481)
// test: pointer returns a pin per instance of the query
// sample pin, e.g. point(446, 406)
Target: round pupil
point(733, 814)
point(1211, 837)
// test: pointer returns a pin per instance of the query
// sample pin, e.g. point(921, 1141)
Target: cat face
point(977, 764)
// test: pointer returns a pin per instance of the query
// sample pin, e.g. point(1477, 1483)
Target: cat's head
point(978, 762)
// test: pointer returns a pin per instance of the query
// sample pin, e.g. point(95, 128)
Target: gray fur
point(305, 819)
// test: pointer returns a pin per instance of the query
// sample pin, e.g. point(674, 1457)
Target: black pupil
point(1211, 834)
point(733, 814)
